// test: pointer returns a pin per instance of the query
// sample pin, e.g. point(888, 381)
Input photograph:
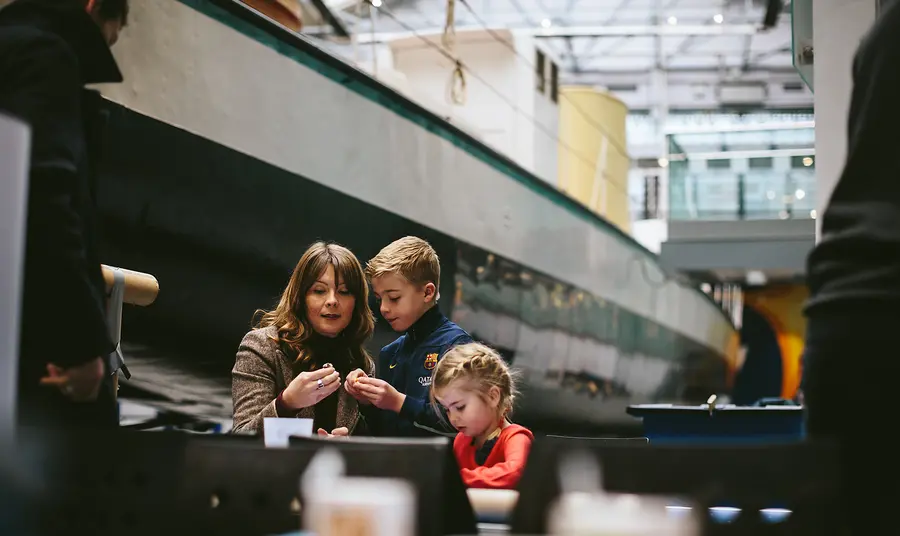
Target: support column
point(660, 88)
point(838, 27)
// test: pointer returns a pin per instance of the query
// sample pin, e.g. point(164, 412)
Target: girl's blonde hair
point(480, 366)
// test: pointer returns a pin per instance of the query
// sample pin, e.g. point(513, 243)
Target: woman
point(292, 363)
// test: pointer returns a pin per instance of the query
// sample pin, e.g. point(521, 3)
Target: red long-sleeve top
point(504, 465)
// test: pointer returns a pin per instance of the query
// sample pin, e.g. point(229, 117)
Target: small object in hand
point(320, 384)
point(327, 365)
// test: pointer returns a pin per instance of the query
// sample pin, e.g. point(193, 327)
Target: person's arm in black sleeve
point(417, 406)
point(45, 91)
point(874, 108)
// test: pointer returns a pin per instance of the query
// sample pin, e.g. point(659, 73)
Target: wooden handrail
point(140, 289)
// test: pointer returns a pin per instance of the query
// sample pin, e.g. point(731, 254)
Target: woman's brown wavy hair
point(289, 317)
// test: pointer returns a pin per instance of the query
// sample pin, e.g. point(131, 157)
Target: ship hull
point(222, 231)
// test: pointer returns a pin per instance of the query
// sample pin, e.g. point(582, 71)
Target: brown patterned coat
point(261, 371)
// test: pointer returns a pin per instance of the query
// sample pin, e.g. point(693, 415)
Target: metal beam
point(329, 16)
point(750, 153)
point(586, 31)
point(705, 53)
point(600, 74)
point(645, 30)
point(610, 20)
point(785, 49)
point(765, 127)
point(615, 12)
point(527, 18)
point(745, 61)
point(573, 59)
point(706, 74)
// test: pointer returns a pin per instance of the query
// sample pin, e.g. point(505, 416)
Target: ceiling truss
point(592, 38)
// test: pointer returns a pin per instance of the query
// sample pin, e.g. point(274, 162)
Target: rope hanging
point(448, 39)
point(457, 86)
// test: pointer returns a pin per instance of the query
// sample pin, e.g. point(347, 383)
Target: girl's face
point(471, 413)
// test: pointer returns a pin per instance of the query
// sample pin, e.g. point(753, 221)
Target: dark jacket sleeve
point(42, 86)
point(417, 407)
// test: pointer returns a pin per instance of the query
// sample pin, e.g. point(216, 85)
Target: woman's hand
point(337, 432)
point(305, 391)
point(381, 394)
point(350, 386)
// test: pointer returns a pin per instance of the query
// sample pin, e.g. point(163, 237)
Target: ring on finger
point(319, 384)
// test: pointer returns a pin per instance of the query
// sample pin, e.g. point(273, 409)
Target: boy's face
point(402, 303)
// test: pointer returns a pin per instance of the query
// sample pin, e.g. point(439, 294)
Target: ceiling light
point(663, 162)
point(673, 20)
point(718, 18)
point(376, 3)
point(813, 214)
point(799, 194)
point(546, 23)
point(807, 161)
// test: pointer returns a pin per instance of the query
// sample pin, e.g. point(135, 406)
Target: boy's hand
point(350, 386)
point(381, 394)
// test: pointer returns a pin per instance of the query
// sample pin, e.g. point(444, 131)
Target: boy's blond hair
point(412, 258)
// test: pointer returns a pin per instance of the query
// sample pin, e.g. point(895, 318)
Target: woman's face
point(329, 304)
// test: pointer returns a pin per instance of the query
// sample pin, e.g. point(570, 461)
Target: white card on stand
point(277, 431)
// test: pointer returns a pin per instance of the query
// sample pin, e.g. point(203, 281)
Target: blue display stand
point(670, 424)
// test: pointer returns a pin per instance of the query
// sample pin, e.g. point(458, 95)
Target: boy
point(405, 277)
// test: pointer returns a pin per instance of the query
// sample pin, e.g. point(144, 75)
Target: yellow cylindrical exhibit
point(593, 164)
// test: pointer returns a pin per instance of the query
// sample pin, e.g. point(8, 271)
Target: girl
point(291, 365)
point(474, 385)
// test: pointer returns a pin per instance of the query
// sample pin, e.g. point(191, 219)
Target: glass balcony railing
point(717, 195)
point(759, 174)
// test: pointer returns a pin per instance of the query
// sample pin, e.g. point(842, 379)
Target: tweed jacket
point(261, 371)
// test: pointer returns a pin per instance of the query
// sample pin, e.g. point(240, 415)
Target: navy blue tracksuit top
point(407, 364)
